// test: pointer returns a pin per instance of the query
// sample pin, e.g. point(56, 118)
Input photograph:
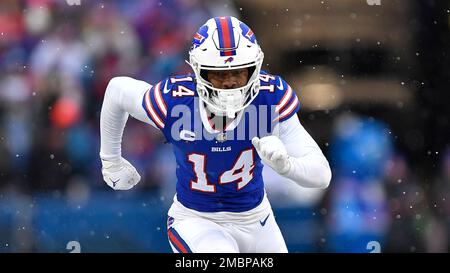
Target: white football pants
point(253, 231)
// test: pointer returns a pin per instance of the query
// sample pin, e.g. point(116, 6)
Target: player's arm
point(290, 150)
point(307, 164)
point(123, 97)
point(294, 154)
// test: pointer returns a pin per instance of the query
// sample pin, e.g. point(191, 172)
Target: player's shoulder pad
point(161, 97)
point(280, 94)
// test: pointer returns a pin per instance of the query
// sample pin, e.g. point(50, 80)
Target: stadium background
point(373, 79)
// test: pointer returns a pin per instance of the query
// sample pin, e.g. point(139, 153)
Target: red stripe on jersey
point(151, 111)
point(160, 101)
point(287, 97)
point(288, 110)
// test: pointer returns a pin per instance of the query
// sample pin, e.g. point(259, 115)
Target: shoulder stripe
point(151, 111)
point(159, 100)
point(288, 110)
point(287, 97)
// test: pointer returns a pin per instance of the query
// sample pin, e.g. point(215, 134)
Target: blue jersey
point(217, 170)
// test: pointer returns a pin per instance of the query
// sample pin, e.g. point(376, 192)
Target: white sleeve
point(309, 167)
point(123, 97)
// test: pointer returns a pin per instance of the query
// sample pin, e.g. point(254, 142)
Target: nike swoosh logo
point(263, 223)
point(114, 182)
point(165, 90)
point(280, 86)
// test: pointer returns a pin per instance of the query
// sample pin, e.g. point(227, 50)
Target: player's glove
point(120, 175)
point(272, 153)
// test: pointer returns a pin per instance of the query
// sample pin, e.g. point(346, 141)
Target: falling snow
point(396, 75)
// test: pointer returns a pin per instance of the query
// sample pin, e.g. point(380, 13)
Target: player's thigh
point(262, 236)
point(200, 236)
point(268, 237)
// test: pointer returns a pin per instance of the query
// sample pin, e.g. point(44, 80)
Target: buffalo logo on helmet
point(229, 60)
point(247, 33)
point(200, 36)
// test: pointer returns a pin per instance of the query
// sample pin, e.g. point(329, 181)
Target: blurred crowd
point(376, 195)
point(56, 60)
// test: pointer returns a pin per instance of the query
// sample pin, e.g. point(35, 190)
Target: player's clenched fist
point(120, 175)
point(272, 153)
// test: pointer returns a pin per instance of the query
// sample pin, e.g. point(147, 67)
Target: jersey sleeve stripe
point(286, 98)
point(159, 100)
point(288, 110)
point(151, 113)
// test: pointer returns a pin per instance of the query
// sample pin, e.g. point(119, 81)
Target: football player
point(225, 121)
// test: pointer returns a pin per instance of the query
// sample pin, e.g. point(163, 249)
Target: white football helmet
point(225, 43)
